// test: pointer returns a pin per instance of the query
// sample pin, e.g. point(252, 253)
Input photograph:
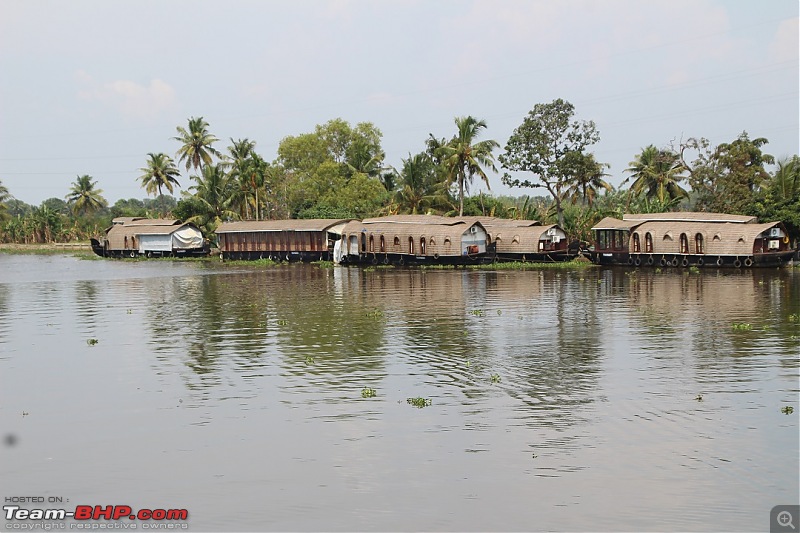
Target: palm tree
point(786, 181)
point(464, 158)
point(657, 172)
point(196, 144)
point(417, 183)
point(4, 196)
point(83, 198)
point(160, 171)
point(238, 160)
point(587, 178)
point(216, 192)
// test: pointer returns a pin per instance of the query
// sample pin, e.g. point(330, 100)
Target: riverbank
point(74, 248)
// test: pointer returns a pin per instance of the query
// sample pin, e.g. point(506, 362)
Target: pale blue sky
point(90, 87)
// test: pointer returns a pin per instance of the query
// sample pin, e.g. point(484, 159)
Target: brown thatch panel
point(527, 239)
point(712, 238)
point(409, 238)
point(126, 237)
point(689, 216)
point(318, 224)
point(614, 224)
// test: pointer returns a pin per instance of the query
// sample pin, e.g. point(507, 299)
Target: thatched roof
point(141, 221)
point(115, 235)
point(440, 238)
point(614, 223)
point(689, 216)
point(299, 224)
point(521, 239)
point(414, 219)
point(719, 238)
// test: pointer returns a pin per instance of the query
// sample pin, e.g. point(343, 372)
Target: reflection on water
point(568, 400)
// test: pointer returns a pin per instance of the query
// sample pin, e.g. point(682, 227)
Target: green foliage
point(545, 145)
point(196, 148)
point(367, 392)
point(83, 198)
point(787, 409)
point(743, 326)
point(160, 172)
point(419, 402)
point(657, 173)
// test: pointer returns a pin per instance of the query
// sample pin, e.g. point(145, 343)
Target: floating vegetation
point(368, 392)
point(519, 265)
point(91, 342)
point(377, 313)
point(248, 262)
point(369, 269)
point(658, 270)
point(794, 317)
point(309, 360)
point(419, 402)
point(495, 378)
point(467, 363)
point(323, 264)
point(499, 312)
point(130, 311)
point(477, 312)
point(743, 326)
point(694, 270)
point(699, 397)
point(283, 322)
point(384, 267)
point(787, 410)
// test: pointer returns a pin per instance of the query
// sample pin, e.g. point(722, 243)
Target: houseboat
point(527, 241)
point(413, 240)
point(150, 237)
point(280, 240)
point(690, 239)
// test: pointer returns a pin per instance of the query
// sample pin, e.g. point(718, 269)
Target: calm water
point(560, 400)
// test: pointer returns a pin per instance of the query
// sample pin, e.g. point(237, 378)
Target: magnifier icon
point(785, 519)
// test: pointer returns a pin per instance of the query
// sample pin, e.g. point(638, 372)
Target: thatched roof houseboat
point(412, 239)
point(527, 240)
point(690, 239)
point(151, 237)
point(284, 240)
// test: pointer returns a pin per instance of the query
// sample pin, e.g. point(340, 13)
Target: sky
point(92, 87)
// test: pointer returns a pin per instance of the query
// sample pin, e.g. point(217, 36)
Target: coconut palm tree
point(4, 196)
point(237, 161)
point(465, 158)
point(657, 173)
point(83, 198)
point(587, 178)
point(160, 171)
point(196, 144)
point(216, 192)
point(786, 181)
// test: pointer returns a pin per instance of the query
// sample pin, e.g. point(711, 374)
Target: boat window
point(741, 239)
point(619, 239)
point(698, 243)
point(636, 243)
point(602, 240)
point(397, 241)
point(515, 240)
point(498, 238)
point(363, 243)
point(668, 236)
point(371, 243)
point(716, 237)
point(432, 241)
point(126, 242)
point(446, 241)
point(648, 242)
point(383, 244)
point(411, 245)
point(684, 244)
point(422, 245)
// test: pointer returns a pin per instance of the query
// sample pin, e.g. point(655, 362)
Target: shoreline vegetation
point(83, 250)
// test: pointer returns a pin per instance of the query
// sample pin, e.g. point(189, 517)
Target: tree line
point(339, 171)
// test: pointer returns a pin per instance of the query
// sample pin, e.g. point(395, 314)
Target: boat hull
point(772, 259)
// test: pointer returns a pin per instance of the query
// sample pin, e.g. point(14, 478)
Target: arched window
point(432, 241)
point(447, 241)
point(648, 242)
point(698, 243)
point(684, 244)
point(422, 245)
point(363, 243)
point(515, 240)
point(383, 244)
point(126, 242)
point(411, 245)
point(397, 241)
point(371, 243)
point(636, 244)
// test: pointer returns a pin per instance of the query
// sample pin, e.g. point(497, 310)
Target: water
point(578, 400)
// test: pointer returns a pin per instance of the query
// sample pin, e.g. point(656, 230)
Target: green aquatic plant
point(369, 269)
point(699, 398)
point(377, 313)
point(91, 342)
point(419, 402)
point(694, 270)
point(495, 378)
point(787, 410)
point(323, 264)
point(368, 392)
point(283, 322)
point(794, 317)
point(743, 326)
point(477, 312)
point(658, 270)
point(309, 360)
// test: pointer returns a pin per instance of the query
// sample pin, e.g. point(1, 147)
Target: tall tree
point(4, 197)
point(587, 178)
point(83, 198)
point(417, 183)
point(540, 145)
point(214, 194)
point(196, 144)
point(657, 173)
point(160, 172)
point(465, 157)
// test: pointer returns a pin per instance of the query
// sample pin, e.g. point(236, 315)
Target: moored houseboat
point(150, 237)
point(527, 241)
point(280, 240)
point(690, 239)
point(413, 240)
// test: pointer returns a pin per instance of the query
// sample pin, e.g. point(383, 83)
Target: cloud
point(135, 102)
point(784, 45)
